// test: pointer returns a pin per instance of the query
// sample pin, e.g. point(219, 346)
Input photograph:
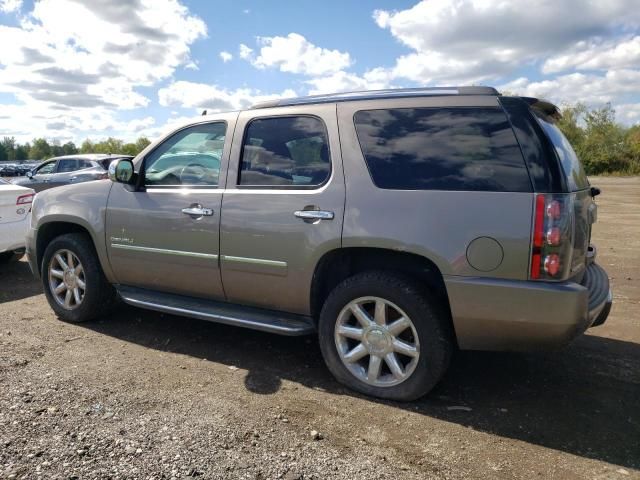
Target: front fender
point(82, 204)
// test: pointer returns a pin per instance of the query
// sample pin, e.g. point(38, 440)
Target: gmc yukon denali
point(397, 225)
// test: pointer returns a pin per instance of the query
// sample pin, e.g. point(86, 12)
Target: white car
point(15, 215)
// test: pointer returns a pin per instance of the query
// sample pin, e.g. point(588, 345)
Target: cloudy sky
point(71, 69)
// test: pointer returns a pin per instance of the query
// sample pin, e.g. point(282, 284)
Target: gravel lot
point(142, 395)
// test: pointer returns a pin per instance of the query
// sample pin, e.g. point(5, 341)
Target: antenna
point(204, 112)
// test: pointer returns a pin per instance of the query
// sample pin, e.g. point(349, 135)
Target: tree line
point(603, 145)
point(41, 149)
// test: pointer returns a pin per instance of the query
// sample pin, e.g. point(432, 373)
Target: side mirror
point(29, 173)
point(121, 171)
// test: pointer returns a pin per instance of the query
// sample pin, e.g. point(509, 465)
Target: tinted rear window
point(573, 169)
point(442, 149)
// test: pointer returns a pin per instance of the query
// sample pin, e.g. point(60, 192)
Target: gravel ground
point(142, 395)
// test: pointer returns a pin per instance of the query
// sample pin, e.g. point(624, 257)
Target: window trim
point(142, 186)
point(287, 188)
point(497, 108)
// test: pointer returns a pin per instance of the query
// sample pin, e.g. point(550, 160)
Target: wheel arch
point(53, 228)
point(339, 264)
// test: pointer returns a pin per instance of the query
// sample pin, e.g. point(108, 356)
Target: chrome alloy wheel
point(66, 279)
point(377, 341)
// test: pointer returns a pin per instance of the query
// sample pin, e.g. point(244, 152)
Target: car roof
point(377, 94)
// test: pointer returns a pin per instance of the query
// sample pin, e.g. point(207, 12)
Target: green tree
point(3, 154)
point(87, 147)
point(110, 145)
point(69, 148)
point(130, 149)
point(22, 152)
point(9, 144)
point(40, 150)
point(142, 143)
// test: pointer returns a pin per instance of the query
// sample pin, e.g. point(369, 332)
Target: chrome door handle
point(198, 211)
point(314, 214)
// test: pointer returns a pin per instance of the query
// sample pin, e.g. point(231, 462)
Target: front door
point(283, 206)
point(41, 178)
point(165, 236)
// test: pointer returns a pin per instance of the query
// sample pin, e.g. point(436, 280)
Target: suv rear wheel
point(73, 281)
point(382, 335)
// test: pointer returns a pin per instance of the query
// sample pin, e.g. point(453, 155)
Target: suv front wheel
point(383, 335)
point(73, 281)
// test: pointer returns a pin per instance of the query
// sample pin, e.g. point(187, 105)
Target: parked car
point(68, 169)
point(8, 170)
point(15, 208)
point(395, 224)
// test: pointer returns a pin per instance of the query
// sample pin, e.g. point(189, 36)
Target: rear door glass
point(460, 148)
point(571, 165)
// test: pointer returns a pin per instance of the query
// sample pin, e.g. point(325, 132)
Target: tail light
point(551, 243)
point(25, 199)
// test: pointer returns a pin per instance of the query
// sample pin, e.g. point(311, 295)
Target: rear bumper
point(492, 314)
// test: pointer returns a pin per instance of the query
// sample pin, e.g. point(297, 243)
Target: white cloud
point(245, 52)
point(295, 54)
point(579, 87)
point(474, 40)
point(628, 113)
point(226, 57)
point(346, 82)
point(78, 73)
point(212, 97)
point(597, 55)
point(10, 6)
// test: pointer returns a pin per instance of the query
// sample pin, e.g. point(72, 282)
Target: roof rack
point(373, 94)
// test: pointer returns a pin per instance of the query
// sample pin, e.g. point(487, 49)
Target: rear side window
point(285, 152)
point(573, 170)
point(459, 148)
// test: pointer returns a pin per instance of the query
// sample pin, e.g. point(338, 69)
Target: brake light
point(25, 199)
point(551, 245)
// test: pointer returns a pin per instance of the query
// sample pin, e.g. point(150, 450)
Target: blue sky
point(72, 69)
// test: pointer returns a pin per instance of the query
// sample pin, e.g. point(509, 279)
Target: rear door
point(283, 206)
point(65, 171)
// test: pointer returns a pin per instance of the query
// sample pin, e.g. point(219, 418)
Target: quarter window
point(285, 152)
point(459, 148)
point(191, 157)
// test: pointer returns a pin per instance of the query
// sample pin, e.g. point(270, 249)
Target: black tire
point(429, 320)
point(6, 257)
point(99, 295)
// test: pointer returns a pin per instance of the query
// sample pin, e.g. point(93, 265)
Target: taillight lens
point(25, 199)
point(551, 243)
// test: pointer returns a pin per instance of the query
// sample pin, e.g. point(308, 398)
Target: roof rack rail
point(373, 94)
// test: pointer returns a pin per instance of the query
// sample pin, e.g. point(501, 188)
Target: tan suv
point(396, 224)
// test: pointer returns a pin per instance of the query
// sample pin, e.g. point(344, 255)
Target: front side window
point(286, 152)
point(460, 148)
point(67, 165)
point(46, 168)
point(191, 157)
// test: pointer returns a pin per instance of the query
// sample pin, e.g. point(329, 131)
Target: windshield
point(571, 165)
